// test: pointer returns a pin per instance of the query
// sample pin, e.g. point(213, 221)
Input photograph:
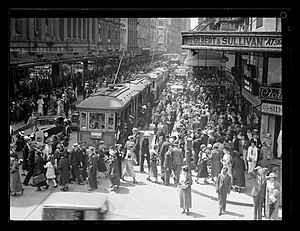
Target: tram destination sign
point(234, 40)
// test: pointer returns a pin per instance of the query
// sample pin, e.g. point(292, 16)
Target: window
point(110, 121)
point(69, 28)
point(274, 71)
point(160, 23)
point(61, 28)
point(84, 28)
point(18, 26)
point(97, 121)
point(74, 27)
point(79, 28)
point(259, 22)
point(93, 28)
point(83, 121)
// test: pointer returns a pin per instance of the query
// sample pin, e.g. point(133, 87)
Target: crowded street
point(188, 133)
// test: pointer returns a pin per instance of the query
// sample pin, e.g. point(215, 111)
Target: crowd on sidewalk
point(200, 129)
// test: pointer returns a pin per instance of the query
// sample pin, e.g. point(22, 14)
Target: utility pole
point(119, 67)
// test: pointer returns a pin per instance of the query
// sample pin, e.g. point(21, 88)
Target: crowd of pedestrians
point(200, 129)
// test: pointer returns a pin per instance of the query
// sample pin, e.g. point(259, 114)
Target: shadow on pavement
point(234, 214)
point(196, 215)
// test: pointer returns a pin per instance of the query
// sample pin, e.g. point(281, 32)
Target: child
point(50, 174)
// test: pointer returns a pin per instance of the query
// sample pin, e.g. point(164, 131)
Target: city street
point(144, 200)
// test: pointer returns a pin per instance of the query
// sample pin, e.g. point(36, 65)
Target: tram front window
point(97, 120)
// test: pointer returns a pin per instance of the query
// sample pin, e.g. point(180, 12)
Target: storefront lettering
point(233, 41)
point(270, 93)
point(271, 108)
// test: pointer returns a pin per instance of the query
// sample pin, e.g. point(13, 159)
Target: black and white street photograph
point(149, 118)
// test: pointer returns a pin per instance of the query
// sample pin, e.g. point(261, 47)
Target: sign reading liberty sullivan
point(234, 39)
point(270, 93)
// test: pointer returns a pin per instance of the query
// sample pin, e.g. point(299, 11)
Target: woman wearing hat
point(15, 179)
point(113, 171)
point(185, 191)
point(92, 167)
point(273, 192)
point(252, 155)
point(153, 165)
point(202, 165)
point(145, 152)
point(129, 159)
point(238, 172)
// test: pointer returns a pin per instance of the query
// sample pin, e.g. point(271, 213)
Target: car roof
point(49, 117)
point(76, 200)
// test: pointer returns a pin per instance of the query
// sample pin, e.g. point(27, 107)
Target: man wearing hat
point(136, 146)
point(258, 191)
point(223, 187)
point(164, 148)
point(177, 161)
point(145, 151)
point(92, 168)
point(75, 159)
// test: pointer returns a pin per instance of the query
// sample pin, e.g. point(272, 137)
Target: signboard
point(215, 83)
point(256, 41)
point(247, 85)
point(269, 108)
point(254, 100)
point(96, 135)
point(270, 94)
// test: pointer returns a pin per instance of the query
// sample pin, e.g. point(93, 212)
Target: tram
point(111, 112)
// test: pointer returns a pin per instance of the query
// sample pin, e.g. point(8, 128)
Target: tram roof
point(108, 99)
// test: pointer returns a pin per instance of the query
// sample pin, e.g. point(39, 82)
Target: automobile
point(76, 206)
point(50, 124)
point(177, 88)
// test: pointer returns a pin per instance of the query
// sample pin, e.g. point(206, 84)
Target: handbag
point(39, 179)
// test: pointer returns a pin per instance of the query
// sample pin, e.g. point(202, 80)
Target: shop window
point(274, 71)
point(97, 121)
point(259, 22)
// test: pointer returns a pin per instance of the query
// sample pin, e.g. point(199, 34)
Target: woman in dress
point(113, 171)
point(273, 191)
point(227, 160)
point(15, 179)
point(153, 165)
point(202, 166)
point(40, 104)
point(238, 172)
point(92, 167)
point(64, 170)
point(185, 191)
point(216, 164)
point(129, 160)
point(252, 155)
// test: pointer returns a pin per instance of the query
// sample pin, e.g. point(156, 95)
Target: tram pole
point(118, 68)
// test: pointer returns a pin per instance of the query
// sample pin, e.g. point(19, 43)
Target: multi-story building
point(154, 34)
point(163, 30)
point(109, 34)
point(174, 45)
point(132, 34)
point(143, 33)
point(123, 34)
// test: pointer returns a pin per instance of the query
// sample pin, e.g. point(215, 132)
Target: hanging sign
point(270, 93)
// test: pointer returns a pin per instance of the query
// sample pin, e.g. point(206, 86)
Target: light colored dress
point(129, 170)
point(40, 104)
point(50, 173)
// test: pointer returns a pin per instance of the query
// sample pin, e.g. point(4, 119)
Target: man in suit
point(75, 160)
point(163, 150)
point(258, 191)
point(223, 187)
point(168, 165)
point(177, 161)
